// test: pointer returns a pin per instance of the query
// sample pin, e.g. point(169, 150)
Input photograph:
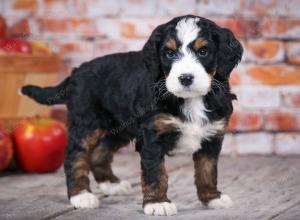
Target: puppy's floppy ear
point(229, 54)
point(151, 51)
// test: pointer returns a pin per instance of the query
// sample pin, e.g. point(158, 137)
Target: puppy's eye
point(203, 52)
point(170, 54)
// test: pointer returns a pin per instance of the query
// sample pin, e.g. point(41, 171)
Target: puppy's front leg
point(205, 163)
point(154, 178)
point(155, 200)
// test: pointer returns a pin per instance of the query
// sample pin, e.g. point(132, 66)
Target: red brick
point(281, 28)
point(235, 77)
point(293, 52)
point(134, 44)
point(25, 5)
point(137, 28)
point(57, 8)
point(245, 121)
point(94, 8)
point(257, 97)
point(128, 27)
point(138, 7)
point(278, 74)
point(74, 48)
point(178, 7)
point(108, 46)
point(66, 68)
point(259, 8)
point(240, 26)
point(287, 143)
point(83, 26)
point(291, 97)
point(281, 120)
point(18, 8)
point(218, 7)
point(249, 8)
point(129, 30)
point(264, 51)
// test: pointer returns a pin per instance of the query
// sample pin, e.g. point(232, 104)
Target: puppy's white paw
point(160, 208)
point(121, 188)
point(220, 203)
point(85, 200)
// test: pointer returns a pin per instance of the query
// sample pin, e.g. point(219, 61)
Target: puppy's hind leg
point(77, 167)
point(101, 160)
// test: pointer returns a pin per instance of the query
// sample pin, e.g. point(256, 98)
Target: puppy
point(172, 96)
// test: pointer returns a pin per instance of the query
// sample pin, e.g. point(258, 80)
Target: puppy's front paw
point(121, 188)
point(85, 200)
point(160, 208)
point(220, 203)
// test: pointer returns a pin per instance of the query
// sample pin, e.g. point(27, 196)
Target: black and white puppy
point(172, 96)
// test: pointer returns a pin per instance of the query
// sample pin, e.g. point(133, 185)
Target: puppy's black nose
point(186, 79)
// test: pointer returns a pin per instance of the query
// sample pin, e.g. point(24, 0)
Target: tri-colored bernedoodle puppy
point(172, 96)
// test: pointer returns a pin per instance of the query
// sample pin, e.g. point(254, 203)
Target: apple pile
point(19, 46)
point(6, 149)
point(39, 145)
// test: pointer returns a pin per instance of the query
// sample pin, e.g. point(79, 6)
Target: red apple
point(2, 27)
point(6, 149)
point(40, 144)
point(15, 46)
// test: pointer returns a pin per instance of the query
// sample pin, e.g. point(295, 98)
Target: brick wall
point(267, 115)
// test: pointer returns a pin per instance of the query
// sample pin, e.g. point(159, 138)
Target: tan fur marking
point(206, 177)
point(81, 164)
point(171, 44)
point(101, 160)
point(91, 140)
point(80, 172)
point(156, 193)
point(199, 43)
point(164, 124)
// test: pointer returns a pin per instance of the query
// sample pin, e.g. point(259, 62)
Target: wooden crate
point(19, 70)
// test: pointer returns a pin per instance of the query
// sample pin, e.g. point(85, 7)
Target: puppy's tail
point(48, 95)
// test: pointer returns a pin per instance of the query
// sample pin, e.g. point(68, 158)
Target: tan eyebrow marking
point(171, 44)
point(199, 42)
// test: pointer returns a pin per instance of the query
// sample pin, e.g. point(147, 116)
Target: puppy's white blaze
point(121, 188)
point(220, 203)
point(187, 31)
point(85, 199)
point(160, 208)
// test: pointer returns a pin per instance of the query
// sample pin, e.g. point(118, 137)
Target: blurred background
point(58, 35)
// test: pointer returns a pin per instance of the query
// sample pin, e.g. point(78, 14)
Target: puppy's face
point(190, 52)
point(188, 58)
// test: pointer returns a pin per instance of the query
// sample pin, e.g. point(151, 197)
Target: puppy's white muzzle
point(188, 78)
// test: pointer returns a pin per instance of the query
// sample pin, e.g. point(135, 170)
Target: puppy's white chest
point(196, 128)
point(190, 139)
